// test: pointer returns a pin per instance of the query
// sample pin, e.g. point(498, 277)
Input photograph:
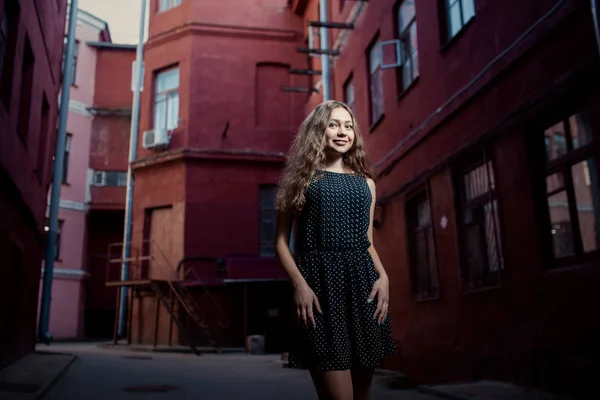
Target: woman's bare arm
point(304, 298)
point(282, 248)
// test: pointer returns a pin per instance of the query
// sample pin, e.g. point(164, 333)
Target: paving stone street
point(121, 374)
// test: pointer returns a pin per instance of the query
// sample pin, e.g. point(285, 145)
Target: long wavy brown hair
point(307, 155)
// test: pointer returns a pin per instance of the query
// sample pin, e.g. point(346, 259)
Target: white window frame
point(165, 5)
point(171, 99)
point(102, 175)
point(375, 58)
point(350, 95)
point(466, 12)
point(407, 56)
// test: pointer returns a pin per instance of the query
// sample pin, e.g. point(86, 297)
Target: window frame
point(350, 84)
point(67, 152)
point(166, 93)
point(374, 119)
point(470, 163)
point(120, 177)
point(59, 228)
point(542, 169)
point(4, 23)
point(74, 61)
point(411, 206)
point(445, 22)
point(402, 36)
point(266, 215)
point(171, 4)
point(13, 11)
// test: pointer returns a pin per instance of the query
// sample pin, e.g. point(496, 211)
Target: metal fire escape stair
point(173, 292)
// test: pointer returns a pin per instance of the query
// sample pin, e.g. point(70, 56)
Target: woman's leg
point(333, 385)
point(361, 382)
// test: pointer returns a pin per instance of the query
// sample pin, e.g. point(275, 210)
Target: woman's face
point(339, 134)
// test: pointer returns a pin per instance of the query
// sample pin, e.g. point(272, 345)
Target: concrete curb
point(172, 350)
point(45, 388)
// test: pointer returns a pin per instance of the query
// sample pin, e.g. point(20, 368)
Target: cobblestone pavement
point(121, 374)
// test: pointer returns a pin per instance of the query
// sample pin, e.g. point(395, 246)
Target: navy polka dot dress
point(333, 257)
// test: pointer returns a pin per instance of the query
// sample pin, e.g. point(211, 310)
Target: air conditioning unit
point(156, 139)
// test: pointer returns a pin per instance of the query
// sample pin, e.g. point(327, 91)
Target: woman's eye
point(348, 127)
point(332, 125)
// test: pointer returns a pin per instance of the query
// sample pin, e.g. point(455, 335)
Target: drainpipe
point(133, 135)
point(44, 322)
point(596, 18)
point(324, 46)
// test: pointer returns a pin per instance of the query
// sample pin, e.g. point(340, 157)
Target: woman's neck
point(335, 164)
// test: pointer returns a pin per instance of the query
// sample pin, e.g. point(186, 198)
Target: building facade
point(94, 179)
point(213, 84)
point(31, 46)
point(481, 120)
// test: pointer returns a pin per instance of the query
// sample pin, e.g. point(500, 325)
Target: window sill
point(427, 299)
point(481, 290)
point(409, 88)
point(375, 124)
point(570, 267)
point(450, 42)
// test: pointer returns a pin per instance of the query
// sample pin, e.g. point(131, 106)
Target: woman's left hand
point(381, 290)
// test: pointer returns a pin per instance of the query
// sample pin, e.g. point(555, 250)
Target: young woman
point(341, 290)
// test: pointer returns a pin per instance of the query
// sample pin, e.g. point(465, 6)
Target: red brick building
point(108, 155)
point(213, 77)
point(484, 138)
point(31, 47)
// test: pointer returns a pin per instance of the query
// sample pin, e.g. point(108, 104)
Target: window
point(3, 39)
point(407, 34)
point(458, 13)
point(166, 102)
point(481, 252)
point(349, 93)
point(572, 197)
point(8, 45)
point(164, 5)
point(73, 61)
point(268, 216)
point(27, 69)
point(44, 125)
point(110, 178)
point(58, 237)
point(375, 82)
point(65, 171)
point(423, 263)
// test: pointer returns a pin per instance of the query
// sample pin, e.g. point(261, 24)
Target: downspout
point(44, 322)
point(325, 80)
point(133, 135)
point(596, 18)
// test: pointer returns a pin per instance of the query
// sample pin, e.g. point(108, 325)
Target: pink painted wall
point(67, 307)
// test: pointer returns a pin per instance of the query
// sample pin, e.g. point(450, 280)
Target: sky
point(123, 17)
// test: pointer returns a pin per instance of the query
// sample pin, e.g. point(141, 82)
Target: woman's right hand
point(305, 299)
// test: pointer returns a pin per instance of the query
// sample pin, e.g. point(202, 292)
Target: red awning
point(253, 269)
